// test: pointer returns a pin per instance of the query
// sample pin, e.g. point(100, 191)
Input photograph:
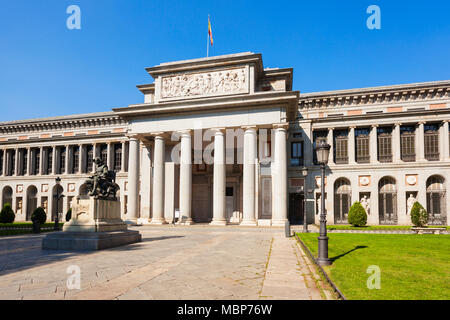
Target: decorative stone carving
point(206, 83)
point(19, 188)
point(411, 180)
point(364, 180)
point(410, 202)
point(365, 202)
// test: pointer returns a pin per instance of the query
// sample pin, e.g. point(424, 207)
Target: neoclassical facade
point(222, 140)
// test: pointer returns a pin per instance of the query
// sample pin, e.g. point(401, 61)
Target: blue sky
point(49, 70)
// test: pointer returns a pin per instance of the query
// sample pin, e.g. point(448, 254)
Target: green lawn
point(18, 228)
point(412, 266)
point(350, 227)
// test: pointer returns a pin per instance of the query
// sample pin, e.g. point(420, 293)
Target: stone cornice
point(373, 95)
point(74, 122)
point(260, 99)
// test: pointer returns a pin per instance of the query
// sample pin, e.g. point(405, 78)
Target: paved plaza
point(172, 262)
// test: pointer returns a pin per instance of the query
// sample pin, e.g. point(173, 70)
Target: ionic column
point(82, 160)
point(110, 157)
point(29, 161)
point(4, 164)
point(16, 162)
point(445, 137)
point(95, 153)
point(330, 140)
point(373, 144)
point(219, 203)
point(133, 181)
point(249, 214)
point(351, 145)
point(186, 178)
point(279, 216)
point(420, 141)
point(41, 161)
point(54, 161)
point(67, 171)
point(158, 179)
point(396, 146)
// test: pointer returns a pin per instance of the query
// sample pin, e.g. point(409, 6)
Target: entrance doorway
point(296, 205)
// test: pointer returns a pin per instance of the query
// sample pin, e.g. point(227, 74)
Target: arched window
point(387, 198)
point(7, 195)
point(104, 153)
point(436, 201)
point(31, 201)
point(57, 204)
point(89, 158)
point(342, 200)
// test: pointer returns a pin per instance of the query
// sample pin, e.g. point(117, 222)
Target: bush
point(40, 215)
point(7, 214)
point(357, 216)
point(69, 214)
point(419, 216)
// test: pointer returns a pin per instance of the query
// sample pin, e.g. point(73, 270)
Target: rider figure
point(101, 172)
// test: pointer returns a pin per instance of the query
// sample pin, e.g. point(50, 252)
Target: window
point(24, 162)
point(362, 145)
point(37, 161)
point(117, 157)
point(342, 200)
point(436, 201)
point(407, 143)
point(341, 146)
point(2, 154)
point(297, 153)
point(62, 160)
point(13, 163)
point(384, 144)
point(76, 160)
point(50, 161)
point(104, 153)
point(387, 201)
point(431, 142)
point(89, 158)
point(318, 135)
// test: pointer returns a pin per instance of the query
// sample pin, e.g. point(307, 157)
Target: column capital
point(352, 127)
point(248, 128)
point(421, 122)
point(397, 123)
point(284, 126)
point(185, 132)
point(375, 125)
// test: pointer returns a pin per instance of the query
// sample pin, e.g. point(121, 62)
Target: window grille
point(384, 144)
point(431, 142)
point(362, 145)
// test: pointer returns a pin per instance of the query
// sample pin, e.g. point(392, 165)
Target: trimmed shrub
point(40, 215)
point(7, 214)
point(357, 216)
point(69, 214)
point(419, 216)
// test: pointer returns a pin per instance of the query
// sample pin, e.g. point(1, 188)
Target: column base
point(132, 222)
point(186, 222)
point(248, 223)
point(143, 221)
point(218, 223)
point(279, 222)
point(158, 221)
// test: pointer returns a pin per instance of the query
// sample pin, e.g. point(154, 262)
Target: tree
point(69, 214)
point(357, 216)
point(40, 215)
point(419, 216)
point(7, 214)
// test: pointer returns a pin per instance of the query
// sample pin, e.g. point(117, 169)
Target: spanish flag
point(210, 31)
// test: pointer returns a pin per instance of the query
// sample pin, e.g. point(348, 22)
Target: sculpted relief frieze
point(207, 83)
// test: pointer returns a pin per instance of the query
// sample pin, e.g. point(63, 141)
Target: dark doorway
point(296, 204)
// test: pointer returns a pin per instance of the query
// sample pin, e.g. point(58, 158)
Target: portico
point(202, 120)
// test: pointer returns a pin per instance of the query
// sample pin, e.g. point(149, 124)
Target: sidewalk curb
point(335, 288)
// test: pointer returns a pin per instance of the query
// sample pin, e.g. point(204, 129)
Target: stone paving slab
point(181, 262)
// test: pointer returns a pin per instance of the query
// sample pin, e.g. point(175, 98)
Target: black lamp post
point(58, 197)
point(305, 223)
point(323, 151)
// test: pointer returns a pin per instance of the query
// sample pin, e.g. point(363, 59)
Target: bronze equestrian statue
point(102, 184)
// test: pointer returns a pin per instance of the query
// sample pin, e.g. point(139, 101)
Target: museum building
point(389, 148)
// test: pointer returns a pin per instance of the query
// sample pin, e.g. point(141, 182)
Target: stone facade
point(388, 144)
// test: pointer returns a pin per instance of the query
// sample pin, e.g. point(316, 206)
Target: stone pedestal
point(95, 225)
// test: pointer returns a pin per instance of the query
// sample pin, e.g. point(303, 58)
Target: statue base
point(95, 225)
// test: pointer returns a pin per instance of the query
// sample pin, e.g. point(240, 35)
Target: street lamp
point(58, 197)
point(305, 224)
point(322, 152)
